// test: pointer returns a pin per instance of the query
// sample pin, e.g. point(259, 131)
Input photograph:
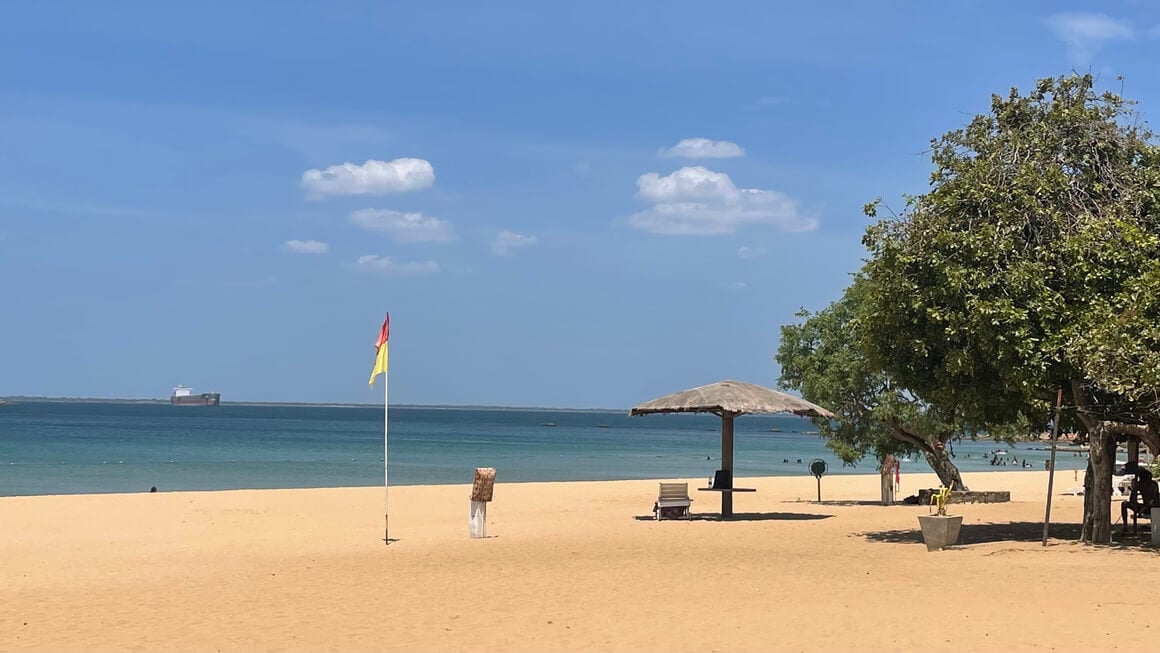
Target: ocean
point(90, 447)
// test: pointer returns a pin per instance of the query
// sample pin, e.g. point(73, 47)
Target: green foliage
point(1019, 270)
point(823, 359)
point(828, 360)
point(1122, 350)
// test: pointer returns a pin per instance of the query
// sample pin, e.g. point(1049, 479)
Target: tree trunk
point(934, 448)
point(1097, 521)
point(886, 471)
point(940, 462)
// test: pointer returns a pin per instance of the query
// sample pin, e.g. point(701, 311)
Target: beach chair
point(673, 498)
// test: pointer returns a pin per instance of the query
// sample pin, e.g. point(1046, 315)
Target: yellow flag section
point(381, 350)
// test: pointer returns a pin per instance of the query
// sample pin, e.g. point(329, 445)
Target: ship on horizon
point(183, 396)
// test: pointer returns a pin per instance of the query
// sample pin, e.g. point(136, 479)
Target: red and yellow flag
point(381, 350)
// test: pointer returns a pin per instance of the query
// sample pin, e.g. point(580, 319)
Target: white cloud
point(1085, 34)
point(387, 265)
point(305, 247)
point(404, 227)
point(738, 285)
point(509, 241)
point(750, 252)
point(371, 178)
point(703, 148)
point(698, 201)
point(689, 183)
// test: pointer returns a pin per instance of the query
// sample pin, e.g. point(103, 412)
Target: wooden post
point(887, 473)
point(481, 493)
point(888, 489)
point(727, 461)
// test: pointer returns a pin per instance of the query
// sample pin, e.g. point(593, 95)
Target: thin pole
point(386, 449)
point(1051, 465)
point(727, 462)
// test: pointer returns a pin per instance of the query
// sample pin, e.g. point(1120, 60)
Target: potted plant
point(940, 529)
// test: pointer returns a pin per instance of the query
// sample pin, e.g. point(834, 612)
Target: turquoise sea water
point(65, 448)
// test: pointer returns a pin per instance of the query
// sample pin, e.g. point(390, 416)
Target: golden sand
point(567, 567)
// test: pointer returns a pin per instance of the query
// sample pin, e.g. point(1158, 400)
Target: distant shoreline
point(14, 399)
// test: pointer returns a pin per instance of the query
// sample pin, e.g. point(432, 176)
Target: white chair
point(673, 495)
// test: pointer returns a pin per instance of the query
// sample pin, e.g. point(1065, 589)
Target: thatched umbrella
point(728, 399)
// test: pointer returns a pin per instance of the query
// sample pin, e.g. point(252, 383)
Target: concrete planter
point(939, 531)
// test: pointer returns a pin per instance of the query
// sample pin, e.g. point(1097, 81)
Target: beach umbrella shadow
point(744, 516)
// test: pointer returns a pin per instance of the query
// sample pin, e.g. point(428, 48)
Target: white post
point(386, 450)
point(481, 492)
point(477, 523)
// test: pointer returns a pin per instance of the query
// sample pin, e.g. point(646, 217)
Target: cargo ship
point(183, 396)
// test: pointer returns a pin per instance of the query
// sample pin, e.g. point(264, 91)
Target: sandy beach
point(567, 567)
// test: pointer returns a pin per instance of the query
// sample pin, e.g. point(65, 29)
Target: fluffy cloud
point(690, 183)
point(1085, 34)
point(305, 247)
point(509, 241)
point(387, 265)
point(750, 252)
point(698, 201)
point(404, 227)
point(703, 148)
point(371, 178)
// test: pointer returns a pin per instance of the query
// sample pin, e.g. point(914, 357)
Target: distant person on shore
point(153, 489)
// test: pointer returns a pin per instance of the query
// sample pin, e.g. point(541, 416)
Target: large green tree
point(826, 359)
point(1030, 264)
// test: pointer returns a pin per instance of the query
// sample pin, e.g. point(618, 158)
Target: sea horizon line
point(316, 404)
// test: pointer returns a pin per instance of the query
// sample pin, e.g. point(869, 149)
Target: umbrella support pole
point(727, 461)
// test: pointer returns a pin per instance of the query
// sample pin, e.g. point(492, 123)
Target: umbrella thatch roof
point(733, 397)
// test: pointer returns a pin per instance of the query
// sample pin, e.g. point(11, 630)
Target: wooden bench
point(673, 495)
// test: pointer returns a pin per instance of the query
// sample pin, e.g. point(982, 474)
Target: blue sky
point(230, 195)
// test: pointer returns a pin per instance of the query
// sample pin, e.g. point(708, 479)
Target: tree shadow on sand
point(742, 516)
point(1013, 532)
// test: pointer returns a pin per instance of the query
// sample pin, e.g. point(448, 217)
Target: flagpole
point(386, 485)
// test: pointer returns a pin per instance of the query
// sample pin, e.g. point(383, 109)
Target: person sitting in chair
point(1145, 494)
